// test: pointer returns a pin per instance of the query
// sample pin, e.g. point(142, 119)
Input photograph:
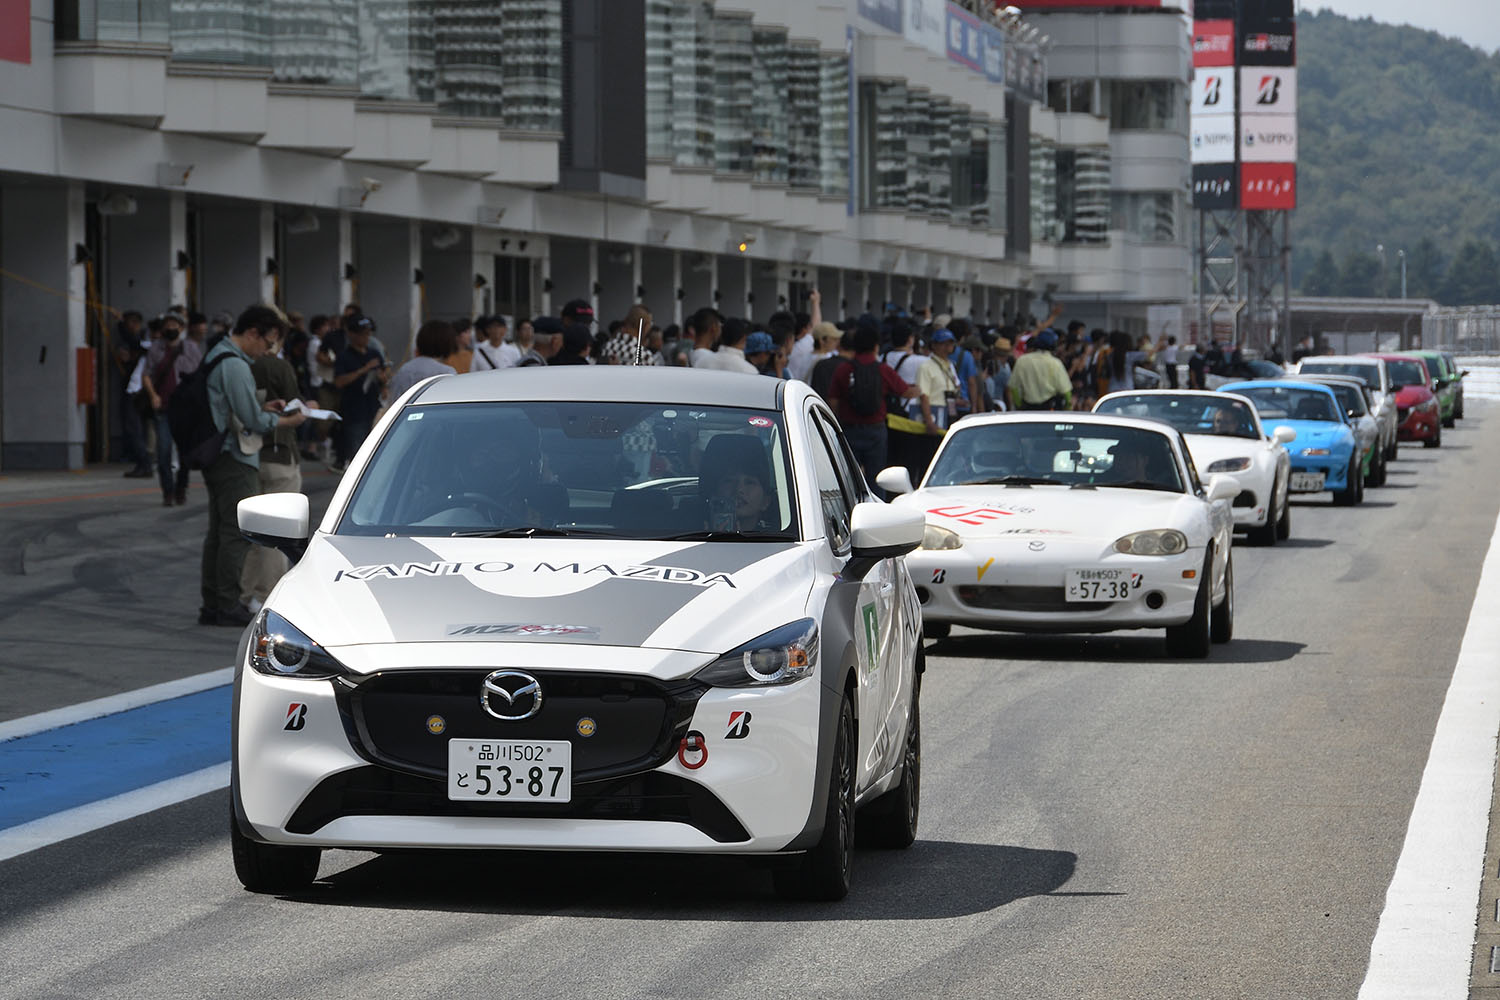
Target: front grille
point(1246, 498)
point(1401, 413)
point(379, 791)
point(638, 721)
point(1025, 599)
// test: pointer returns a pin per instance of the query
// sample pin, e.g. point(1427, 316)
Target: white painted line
point(126, 700)
point(1424, 944)
point(85, 819)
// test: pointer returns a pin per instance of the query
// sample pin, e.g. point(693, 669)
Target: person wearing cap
point(577, 340)
point(937, 383)
point(1039, 380)
point(170, 357)
point(998, 380)
point(494, 352)
point(546, 340)
point(579, 311)
point(760, 351)
point(866, 432)
point(360, 374)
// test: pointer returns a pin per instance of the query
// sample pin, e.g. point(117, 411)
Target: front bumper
point(1417, 425)
point(1004, 585)
point(359, 775)
point(1334, 469)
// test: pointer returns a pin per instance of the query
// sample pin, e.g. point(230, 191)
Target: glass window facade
point(531, 67)
point(1046, 225)
point(228, 32)
point(1150, 216)
point(395, 45)
point(803, 146)
point(660, 15)
point(771, 112)
point(883, 154)
point(468, 44)
point(692, 109)
point(113, 21)
point(1083, 205)
point(833, 125)
point(734, 95)
point(1073, 96)
point(315, 41)
point(1147, 104)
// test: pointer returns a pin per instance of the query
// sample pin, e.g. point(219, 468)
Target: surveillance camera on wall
point(370, 184)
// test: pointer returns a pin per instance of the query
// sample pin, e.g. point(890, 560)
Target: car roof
point(608, 383)
point(1330, 378)
point(1362, 360)
point(1264, 383)
point(1064, 417)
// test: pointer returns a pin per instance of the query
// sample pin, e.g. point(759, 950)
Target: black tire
point(268, 867)
point(1390, 453)
point(1449, 419)
point(1458, 409)
point(1284, 526)
point(1436, 441)
point(1354, 492)
point(891, 820)
point(936, 630)
point(1266, 534)
point(1377, 471)
point(1191, 640)
point(823, 872)
point(1221, 619)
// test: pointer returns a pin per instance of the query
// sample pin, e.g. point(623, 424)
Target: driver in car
point(735, 478)
point(1228, 421)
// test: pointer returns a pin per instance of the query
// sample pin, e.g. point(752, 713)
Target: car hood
point(1209, 448)
point(698, 596)
point(999, 512)
point(1317, 434)
point(1412, 395)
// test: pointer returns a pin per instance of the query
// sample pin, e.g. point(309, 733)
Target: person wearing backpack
point(233, 473)
point(170, 357)
point(858, 394)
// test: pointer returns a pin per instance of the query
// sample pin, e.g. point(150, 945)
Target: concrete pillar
point(266, 227)
point(573, 273)
point(230, 262)
point(829, 281)
point(312, 266)
point(177, 245)
point(43, 320)
point(699, 280)
point(481, 271)
point(448, 273)
point(592, 293)
point(765, 289)
point(416, 306)
point(347, 265)
point(135, 270)
point(677, 289)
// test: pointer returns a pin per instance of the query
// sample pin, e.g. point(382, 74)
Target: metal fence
point(1464, 330)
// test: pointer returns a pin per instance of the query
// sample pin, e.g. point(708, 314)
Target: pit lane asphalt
point(1098, 821)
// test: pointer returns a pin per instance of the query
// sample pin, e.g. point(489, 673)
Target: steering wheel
point(495, 509)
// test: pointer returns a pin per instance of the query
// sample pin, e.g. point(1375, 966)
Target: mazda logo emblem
point(511, 695)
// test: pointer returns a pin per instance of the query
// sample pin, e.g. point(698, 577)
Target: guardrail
point(1483, 380)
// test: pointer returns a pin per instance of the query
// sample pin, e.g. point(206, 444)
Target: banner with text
point(1213, 42)
point(1268, 186)
point(1214, 187)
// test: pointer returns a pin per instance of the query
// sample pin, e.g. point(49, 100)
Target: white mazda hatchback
point(606, 609)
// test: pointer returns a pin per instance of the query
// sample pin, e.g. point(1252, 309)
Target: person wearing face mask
point(170, 357)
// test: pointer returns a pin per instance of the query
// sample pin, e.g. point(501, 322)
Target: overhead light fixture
point(117, 204)
point(447, 237)
point(304, 221)
point(741, 245)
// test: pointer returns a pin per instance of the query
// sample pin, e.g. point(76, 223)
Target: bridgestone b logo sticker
point(655, 574)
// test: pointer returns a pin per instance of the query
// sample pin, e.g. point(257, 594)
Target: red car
point(1417, 417)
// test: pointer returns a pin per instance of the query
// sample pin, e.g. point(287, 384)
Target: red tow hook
point(692, 744)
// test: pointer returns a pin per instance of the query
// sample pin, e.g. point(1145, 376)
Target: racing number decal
point(872, 633)
point(296, 717)
point(739, 726)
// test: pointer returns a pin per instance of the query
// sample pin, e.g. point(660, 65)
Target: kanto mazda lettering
point(657, 574)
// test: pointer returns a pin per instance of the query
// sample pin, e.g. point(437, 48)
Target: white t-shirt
point(904, 363)
point(799, 360)
point(732, 359)
point(487, 356)
point(702, 357)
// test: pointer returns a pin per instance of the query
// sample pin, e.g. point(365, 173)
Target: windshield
point(1370, 374)
point(617, 470)
point(1408, 372)
point(1223, 417)
point(1278, 402)
point(1062, 454)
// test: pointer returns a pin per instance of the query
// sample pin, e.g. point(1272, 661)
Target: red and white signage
point(1268, 138)
point(1268, 186)
point(1213, 91)
point(15, 30)
point(1268, 90)
point(1213, 42)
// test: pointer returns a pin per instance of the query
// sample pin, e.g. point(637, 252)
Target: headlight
point(1428, 406)
point(781, 656)
point(1314, 451)
point(1229, 465)
point(1166, 542)
point(279, 648)
point(934, 537)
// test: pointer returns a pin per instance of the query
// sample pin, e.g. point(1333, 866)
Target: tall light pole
point(1380, 249)
point(1402, 255)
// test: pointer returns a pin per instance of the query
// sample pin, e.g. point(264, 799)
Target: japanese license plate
point(1306, 482)
point(1100, 584)
point(510, 770)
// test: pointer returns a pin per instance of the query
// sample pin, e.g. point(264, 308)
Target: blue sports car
point(1325, 455)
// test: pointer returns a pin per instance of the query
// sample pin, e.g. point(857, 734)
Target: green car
point(1458, 409)
point(1447, 383)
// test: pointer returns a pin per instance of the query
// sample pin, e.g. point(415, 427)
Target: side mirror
point(1284, 434)
point(1464, 373)
point(278, 520)
point(880, 531)
point(895, 480)
point(1221, 487)
point(1397, 386)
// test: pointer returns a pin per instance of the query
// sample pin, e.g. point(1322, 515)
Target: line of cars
point(661, 610)
point(1122, 518)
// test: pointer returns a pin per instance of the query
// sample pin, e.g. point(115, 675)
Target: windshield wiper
point(722, 536)
point(1142, 484)
point(1013, 481)
point(531, 531)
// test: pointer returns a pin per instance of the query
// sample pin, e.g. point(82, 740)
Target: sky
point(1474, 21)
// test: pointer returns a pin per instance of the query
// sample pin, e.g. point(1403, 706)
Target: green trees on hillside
point(1400, 146)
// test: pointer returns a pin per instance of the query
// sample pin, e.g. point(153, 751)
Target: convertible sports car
point(1374, 372)
point(1224, 434)
point(1354, 396)
point(1326, 453)
point(613, 610)
point(1072, 522)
